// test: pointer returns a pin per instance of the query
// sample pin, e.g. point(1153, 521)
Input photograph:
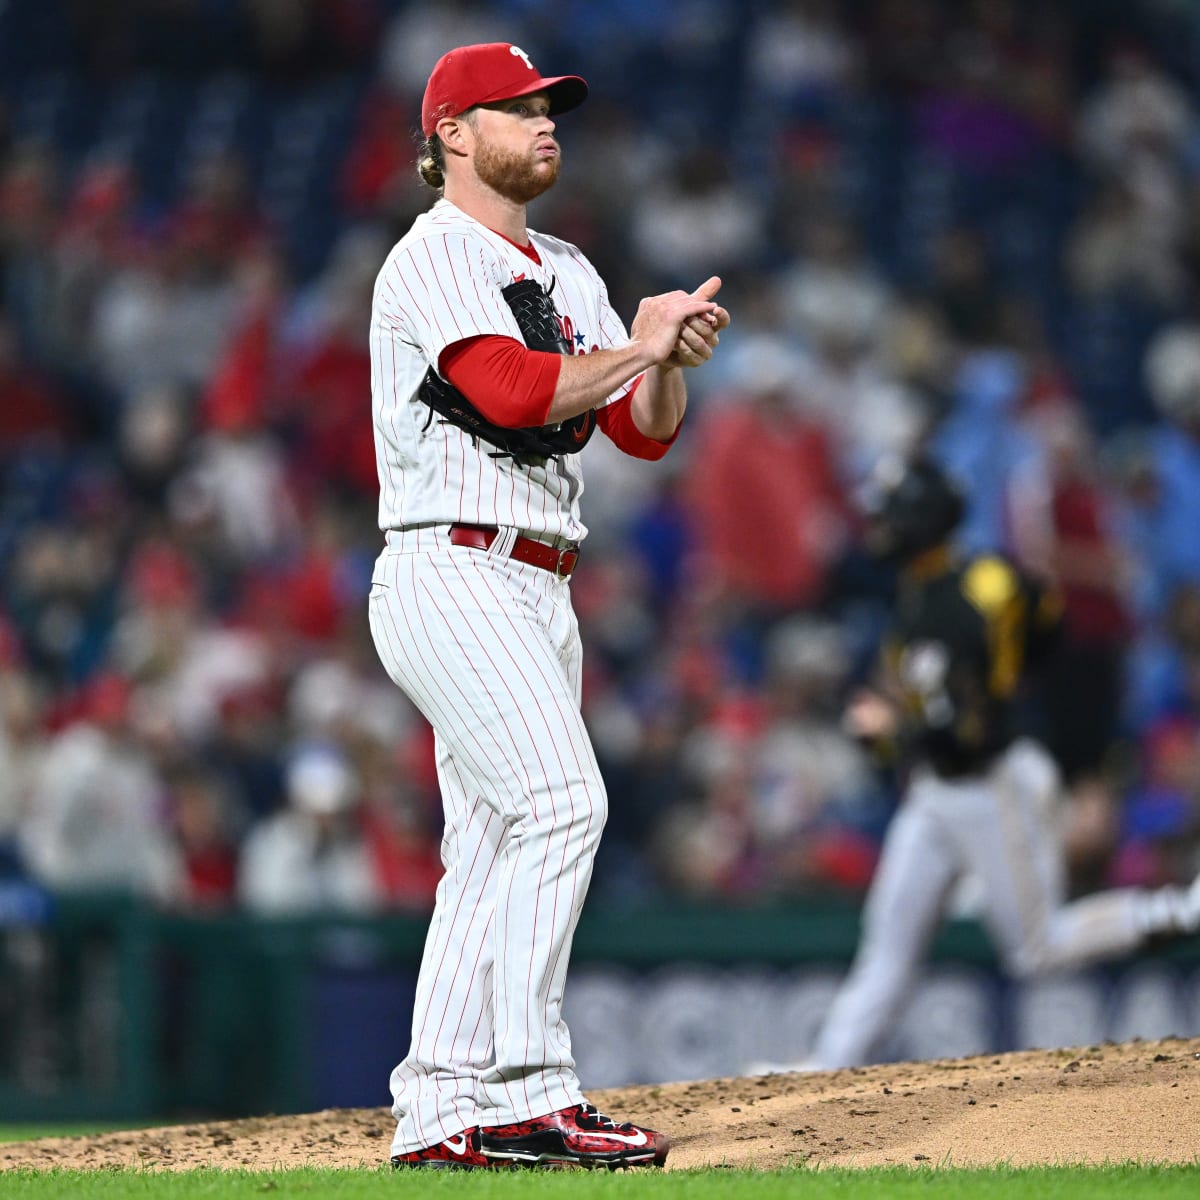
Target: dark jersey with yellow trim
point(964, 637)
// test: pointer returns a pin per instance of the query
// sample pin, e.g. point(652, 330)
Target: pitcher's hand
point(698, 337)
point(660, 319)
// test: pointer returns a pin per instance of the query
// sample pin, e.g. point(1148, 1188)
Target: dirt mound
point(1094, 1104)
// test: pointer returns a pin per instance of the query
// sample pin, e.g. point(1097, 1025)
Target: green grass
point(1117, 1182)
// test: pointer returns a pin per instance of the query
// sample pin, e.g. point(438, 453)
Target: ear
point(453, 133)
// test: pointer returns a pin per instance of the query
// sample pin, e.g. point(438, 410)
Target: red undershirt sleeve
point(616, 419)
point(510, 384)
point(514, 387)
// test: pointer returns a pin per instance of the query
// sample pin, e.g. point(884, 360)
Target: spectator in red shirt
point(30, 406)
point(760, 479)
point(201, 824)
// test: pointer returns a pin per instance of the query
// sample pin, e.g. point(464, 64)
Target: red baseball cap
point(471, 75)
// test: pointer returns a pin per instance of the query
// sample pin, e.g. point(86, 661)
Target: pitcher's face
point(516, 154)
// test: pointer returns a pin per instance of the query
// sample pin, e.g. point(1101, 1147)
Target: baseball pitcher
point(495, 357)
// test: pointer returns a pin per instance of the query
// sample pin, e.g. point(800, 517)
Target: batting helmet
point(910, 508)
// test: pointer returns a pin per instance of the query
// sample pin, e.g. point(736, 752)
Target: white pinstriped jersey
point(441, 283)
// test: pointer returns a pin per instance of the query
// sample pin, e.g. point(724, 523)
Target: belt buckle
point(561, 553)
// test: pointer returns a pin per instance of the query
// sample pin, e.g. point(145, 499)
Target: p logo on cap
point(479, 74)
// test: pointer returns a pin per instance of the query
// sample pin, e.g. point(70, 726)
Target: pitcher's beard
point(516, 178)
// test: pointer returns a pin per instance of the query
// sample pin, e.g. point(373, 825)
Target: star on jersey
point(574, 338)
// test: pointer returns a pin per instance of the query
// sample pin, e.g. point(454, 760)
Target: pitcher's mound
point(1091, 1104)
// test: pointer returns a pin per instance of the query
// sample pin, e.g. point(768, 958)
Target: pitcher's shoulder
point(561, 251)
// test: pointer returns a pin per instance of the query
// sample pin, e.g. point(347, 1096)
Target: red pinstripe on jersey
point(441, 284)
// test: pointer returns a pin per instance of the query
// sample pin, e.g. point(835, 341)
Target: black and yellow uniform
point(963, 638)
point(978, 795)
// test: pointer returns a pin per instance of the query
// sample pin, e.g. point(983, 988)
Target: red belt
point(527, 550)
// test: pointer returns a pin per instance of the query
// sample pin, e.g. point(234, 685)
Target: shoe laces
point(599, 1121)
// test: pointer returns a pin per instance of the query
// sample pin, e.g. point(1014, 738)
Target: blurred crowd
point(966, 225)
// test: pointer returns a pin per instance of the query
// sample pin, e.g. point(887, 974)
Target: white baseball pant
point(1001, 828)
point(489, 650)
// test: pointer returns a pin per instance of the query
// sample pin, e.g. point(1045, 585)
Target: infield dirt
point(1138, 1101)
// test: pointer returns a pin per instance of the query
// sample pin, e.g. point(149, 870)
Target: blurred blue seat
point(1104, 342)
point(54, 108)
point(925, 207)
point(222, 121)
point(873, 143)
point(35, 39)
point(307, 135)
point(142, 121)
point(32, 485)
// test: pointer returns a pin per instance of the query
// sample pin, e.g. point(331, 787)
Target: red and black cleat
point(579, 1135)
point(460, 1152)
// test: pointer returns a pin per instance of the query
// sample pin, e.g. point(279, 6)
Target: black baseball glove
point(531, 446)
